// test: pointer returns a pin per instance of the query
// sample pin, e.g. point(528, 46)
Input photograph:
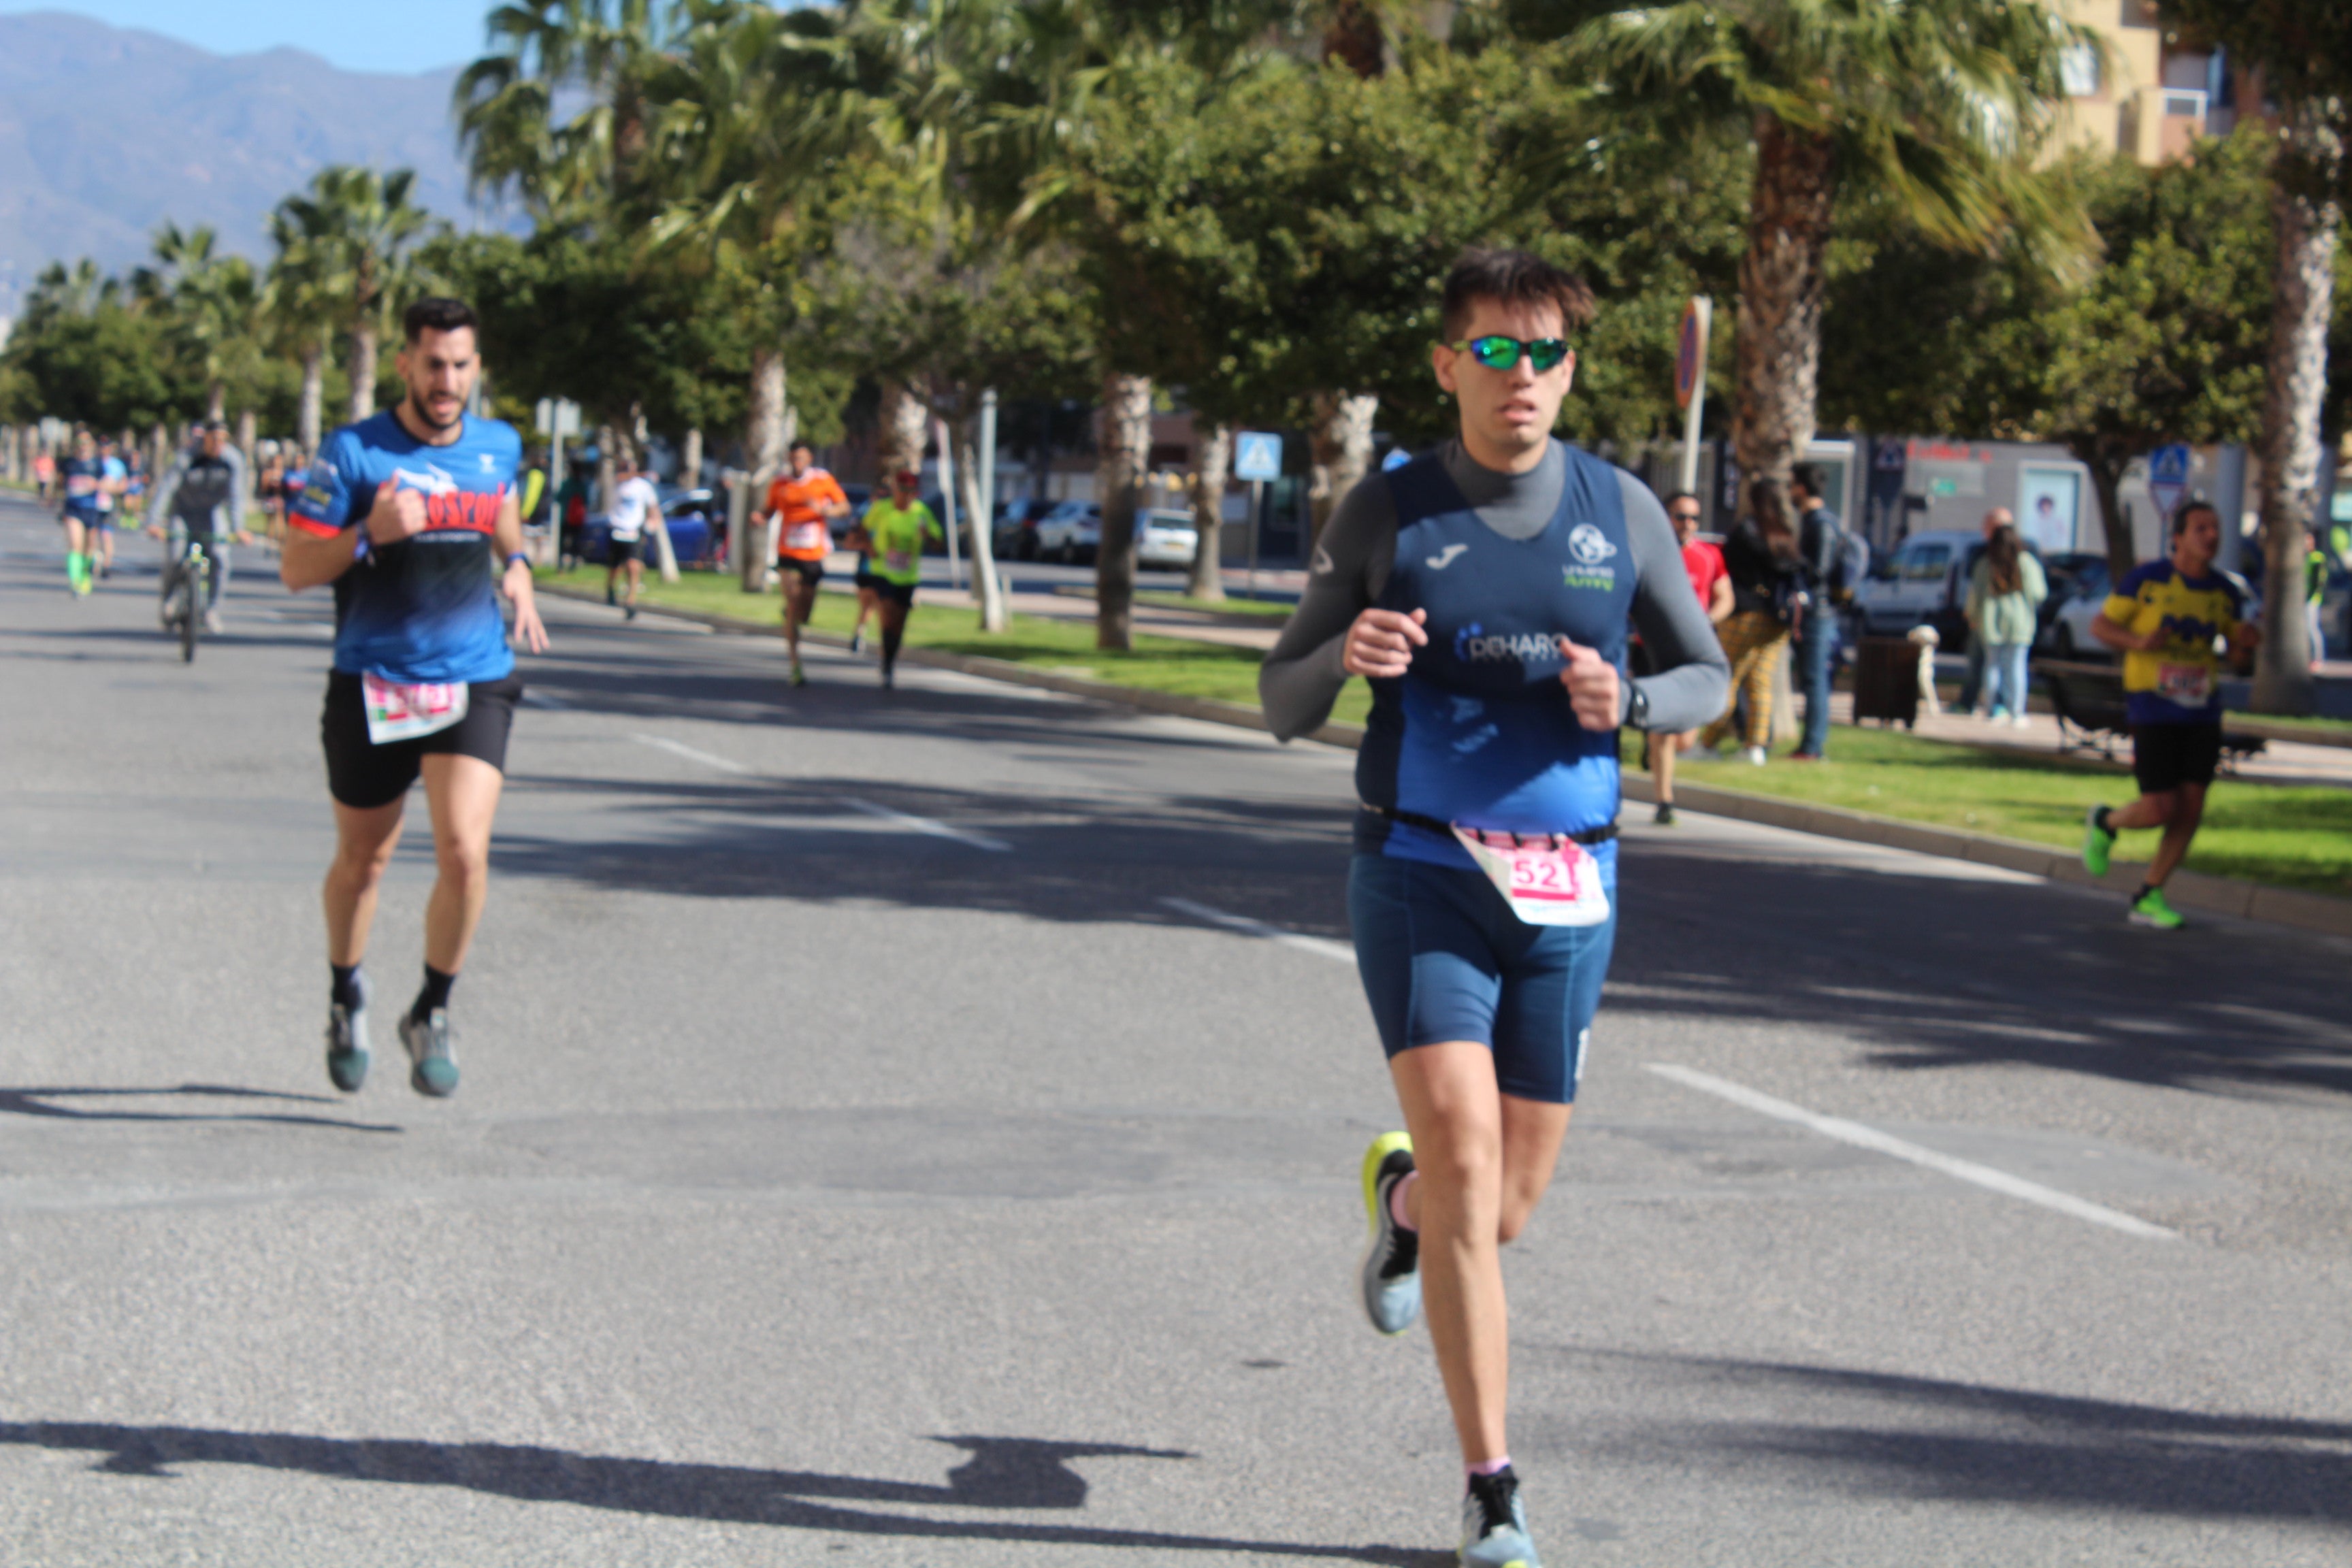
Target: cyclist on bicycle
point(202, 497)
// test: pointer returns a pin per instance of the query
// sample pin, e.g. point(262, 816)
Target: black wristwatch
point(1637, 707)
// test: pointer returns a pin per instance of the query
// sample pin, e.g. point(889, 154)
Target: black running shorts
point(811, 571)
point(364, 775)
point(622, 550)
point(902, 593)
point(2166, 756)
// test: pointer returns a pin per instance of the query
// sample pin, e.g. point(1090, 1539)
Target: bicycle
point(183, 608)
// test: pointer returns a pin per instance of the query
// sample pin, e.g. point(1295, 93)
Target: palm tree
point(355, 230)
point(2304, 49)
point(599, 50)
point(302, 318)
point(213, 302)
point(1938, 104)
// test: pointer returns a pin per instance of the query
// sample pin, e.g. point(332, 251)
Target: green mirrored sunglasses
point(1497, 352)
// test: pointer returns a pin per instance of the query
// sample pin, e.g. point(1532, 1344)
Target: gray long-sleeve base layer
point(1302, 677)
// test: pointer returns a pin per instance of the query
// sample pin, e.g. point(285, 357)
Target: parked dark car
point(1016, 526)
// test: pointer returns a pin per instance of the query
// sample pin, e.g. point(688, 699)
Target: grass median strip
point(2288, 836)
point(1177, 665)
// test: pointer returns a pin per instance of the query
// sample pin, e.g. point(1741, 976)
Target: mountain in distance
point(107, 131)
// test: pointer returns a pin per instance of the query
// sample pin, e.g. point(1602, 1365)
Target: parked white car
point(1165, 539)
point(1070, 533)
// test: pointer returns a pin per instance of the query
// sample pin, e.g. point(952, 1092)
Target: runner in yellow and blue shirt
point(2168, 619)
point(892, 530)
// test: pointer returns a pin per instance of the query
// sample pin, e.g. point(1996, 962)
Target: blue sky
point(357, 34)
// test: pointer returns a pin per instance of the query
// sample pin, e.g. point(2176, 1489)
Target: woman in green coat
point(2006, 588)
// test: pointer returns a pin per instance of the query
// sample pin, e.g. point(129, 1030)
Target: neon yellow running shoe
point(1391, 1268)
point(2096, 842)
point(2150, 910)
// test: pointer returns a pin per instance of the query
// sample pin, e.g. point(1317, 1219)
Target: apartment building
point(2157, 89)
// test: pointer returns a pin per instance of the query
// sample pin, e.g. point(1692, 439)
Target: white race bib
point(400, 711)
point(900, 560)
point(2190, 684)
point(1549, 880)
point(806, 536)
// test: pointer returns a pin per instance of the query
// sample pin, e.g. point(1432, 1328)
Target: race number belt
point(2190, 684)
point(403, 711)
point(1548, 879)
point(805, 536)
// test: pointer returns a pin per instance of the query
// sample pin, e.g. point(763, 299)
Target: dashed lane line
point(1887, 1143)
point(914, 824)
point(691, 754)
point(1322, 947)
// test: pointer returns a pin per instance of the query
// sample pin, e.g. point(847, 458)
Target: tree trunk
point(986, 589)
point(689, 460)
point(608, 448)
point(1353, 36)
point(1778, 351)
point(216, 402)
point(1340, 449)
point(905, 422)
point(1214, 466)
point(763, 454)
point(2106, 460)
point(2301, 297)
point(363, 371)
point(248, 437)
point(314, 381)
point(1125, 456)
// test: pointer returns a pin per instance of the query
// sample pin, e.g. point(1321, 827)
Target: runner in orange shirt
point(804, 499)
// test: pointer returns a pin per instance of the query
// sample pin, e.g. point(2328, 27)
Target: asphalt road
point(860, 1159)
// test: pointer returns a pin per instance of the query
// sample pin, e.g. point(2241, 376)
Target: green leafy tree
point(1937, 105)
point(2303, 51)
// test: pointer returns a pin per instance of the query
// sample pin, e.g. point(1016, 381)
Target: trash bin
point(1886, 681)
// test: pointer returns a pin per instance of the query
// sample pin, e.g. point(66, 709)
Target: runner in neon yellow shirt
point(893, 530)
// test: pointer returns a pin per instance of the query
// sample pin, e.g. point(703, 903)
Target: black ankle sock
point(2101, 820)
point(434, 995)
point(345, 990)
point(2145, 889)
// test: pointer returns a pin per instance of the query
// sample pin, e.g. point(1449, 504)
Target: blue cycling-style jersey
point(83, 477)
point(1480, 730)
point(425, 609)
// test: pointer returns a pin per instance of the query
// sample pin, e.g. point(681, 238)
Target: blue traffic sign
point(2167, 476)
point(1257, 454)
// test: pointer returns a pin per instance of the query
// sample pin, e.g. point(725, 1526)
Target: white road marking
point(542, 700)
point(925, 824)
point(1320, 946)
point(1870, 1138)
point(678, 749)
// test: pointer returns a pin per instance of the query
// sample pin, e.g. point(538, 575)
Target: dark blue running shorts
point(1443, 958)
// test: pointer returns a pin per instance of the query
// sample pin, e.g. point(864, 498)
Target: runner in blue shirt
point(83, 477)
point(1484, 590)
point(409, 513)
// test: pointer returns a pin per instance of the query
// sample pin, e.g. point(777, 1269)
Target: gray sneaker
point(1495, 1525)
point(433, 1067)
point(213, 626)
point(1392, 1271)
point(347, 1040)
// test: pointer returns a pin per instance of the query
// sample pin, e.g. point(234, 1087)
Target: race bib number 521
point(1549, 879)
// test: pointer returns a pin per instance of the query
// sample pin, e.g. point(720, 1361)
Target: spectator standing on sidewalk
point(2006, 588)
point(1761, 556)
point(1711, 581)
point(1815, 639)
point(1972, 683)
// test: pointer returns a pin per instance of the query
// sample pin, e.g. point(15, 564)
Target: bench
point(2088, 699)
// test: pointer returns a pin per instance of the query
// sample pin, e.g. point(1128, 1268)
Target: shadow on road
point(36, 1102)
point(1001, 1473)
point(1881, 1435)
point(1942, 973)
point(1097, 857)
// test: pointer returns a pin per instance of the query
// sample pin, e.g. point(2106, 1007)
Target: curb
point(2189, 889)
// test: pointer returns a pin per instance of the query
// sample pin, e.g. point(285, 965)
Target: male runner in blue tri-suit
point(1484, 589)
point(405, 513)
